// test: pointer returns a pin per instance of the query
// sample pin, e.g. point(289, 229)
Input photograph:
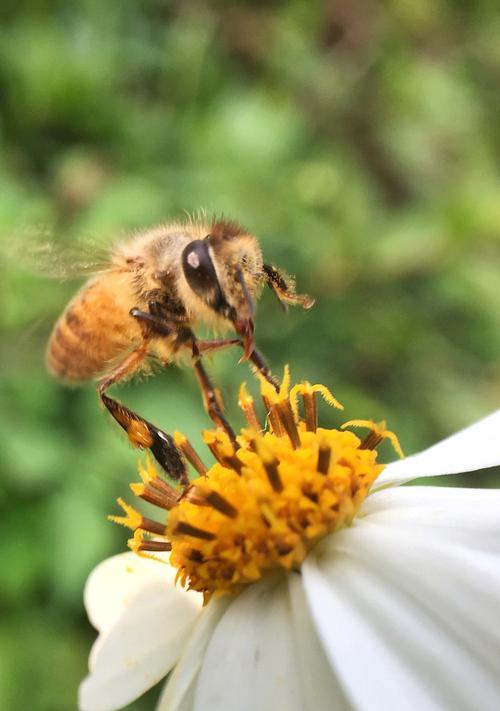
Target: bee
point(146, 303)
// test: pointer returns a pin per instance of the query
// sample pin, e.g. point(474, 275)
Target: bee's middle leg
point(256, 358)
point(140, 432)
point(211, 398)
point(186, 338)
point(217, 345)
point(260, 366)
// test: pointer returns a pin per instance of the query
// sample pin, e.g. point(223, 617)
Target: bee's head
point(224, 270)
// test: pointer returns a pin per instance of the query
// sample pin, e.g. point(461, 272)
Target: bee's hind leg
point(140, 432)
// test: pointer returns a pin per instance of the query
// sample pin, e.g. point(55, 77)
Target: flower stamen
point(187, 529)
point(246, 403)
point(270, 464)
point(152, 496)
point(222, 449)
point(377, 434)
point(190, 453)
point(143, 545)
point(281, 415)
point(310, 411)
point(210, 498)
point(308, 393)
point(134, 520)
point(272, 399)
point(324, 457)
point(273, 417)
point(287, 419)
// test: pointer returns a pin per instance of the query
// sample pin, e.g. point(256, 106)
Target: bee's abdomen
point(92, 332)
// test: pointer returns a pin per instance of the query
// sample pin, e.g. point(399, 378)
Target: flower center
point(264, 505)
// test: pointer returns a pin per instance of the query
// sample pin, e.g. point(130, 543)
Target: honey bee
point(158, 287)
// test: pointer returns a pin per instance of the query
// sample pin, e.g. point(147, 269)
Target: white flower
point(399, 611)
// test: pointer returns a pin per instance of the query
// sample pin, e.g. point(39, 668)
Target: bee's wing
point(39, 251)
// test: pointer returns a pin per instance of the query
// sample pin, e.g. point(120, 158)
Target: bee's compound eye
point(198, 267)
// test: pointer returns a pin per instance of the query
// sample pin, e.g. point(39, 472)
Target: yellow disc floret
point(281, 503)
point(265, 504)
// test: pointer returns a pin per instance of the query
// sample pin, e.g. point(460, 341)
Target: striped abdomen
point(94, 330)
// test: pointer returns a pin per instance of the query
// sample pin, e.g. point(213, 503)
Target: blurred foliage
point(359, 140)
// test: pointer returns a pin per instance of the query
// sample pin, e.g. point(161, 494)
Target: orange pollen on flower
point(265, 505)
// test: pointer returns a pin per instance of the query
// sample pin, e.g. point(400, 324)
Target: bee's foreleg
point(284, 288)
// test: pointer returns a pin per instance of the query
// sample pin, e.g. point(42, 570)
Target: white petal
point(145, 637)
point(117, 580)
point(178, 694)
point(321, 688)
point(407, 623)
point(367, 663)
point(251, 661)
point(470, 517)
point(475, 447)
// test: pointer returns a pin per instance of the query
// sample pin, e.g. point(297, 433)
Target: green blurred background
point(359, 140)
